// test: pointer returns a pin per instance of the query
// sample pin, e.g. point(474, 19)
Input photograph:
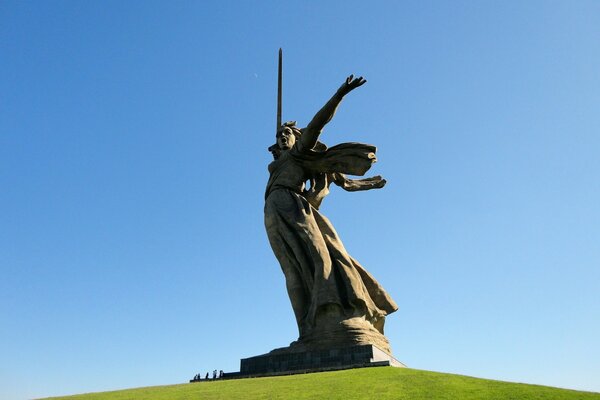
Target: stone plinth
point(282, 362)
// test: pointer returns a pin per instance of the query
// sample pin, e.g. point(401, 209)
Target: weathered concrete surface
point(316, 360)
point(336, 302)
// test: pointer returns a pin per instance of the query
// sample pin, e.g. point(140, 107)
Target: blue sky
point(133, 160)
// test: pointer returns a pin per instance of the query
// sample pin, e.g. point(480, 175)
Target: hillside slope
point(366, 383)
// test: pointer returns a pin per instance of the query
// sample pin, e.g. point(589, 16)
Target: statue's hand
point(351, 83)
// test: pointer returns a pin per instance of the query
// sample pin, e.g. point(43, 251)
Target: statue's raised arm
point(311, 133)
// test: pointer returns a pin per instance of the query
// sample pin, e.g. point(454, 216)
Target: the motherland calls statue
point(336, 301)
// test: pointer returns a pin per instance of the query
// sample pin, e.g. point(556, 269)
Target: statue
point(336, 302)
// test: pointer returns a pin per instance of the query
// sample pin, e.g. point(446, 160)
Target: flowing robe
point(318, 270)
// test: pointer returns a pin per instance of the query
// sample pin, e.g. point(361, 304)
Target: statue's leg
point(295, 285)
point(302, 253)
point(298, 296)
point(281, 238)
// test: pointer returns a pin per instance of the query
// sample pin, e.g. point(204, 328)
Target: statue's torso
point(286, 173)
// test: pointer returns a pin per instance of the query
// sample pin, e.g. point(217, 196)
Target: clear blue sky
point(133, 161)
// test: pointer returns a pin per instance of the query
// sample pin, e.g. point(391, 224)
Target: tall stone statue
point(335, 300)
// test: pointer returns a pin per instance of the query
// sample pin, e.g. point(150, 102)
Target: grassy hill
point(365, 383)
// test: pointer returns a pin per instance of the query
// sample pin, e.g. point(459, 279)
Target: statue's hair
point(292, 125)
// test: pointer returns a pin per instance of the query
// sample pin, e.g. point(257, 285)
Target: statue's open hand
point(351, 84)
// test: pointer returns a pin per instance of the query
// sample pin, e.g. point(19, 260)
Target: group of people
point(215, 375)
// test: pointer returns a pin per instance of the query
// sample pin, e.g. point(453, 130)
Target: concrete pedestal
point(293, 362)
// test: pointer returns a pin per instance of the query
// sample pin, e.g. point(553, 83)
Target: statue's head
point(287, 135)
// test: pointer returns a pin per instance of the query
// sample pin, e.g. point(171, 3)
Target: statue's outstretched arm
point(311, 133)
point(319, 186)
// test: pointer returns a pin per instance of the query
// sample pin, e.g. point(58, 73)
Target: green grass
point(366, 383)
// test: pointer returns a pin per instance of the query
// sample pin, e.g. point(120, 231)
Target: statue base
point(292, 361)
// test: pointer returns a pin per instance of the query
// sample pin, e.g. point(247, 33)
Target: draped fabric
point(345, 158)
point(317, 267)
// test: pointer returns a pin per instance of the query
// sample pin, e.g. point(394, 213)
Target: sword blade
point(279, 90)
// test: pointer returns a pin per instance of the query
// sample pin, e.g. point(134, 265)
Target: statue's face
point(286, 139)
